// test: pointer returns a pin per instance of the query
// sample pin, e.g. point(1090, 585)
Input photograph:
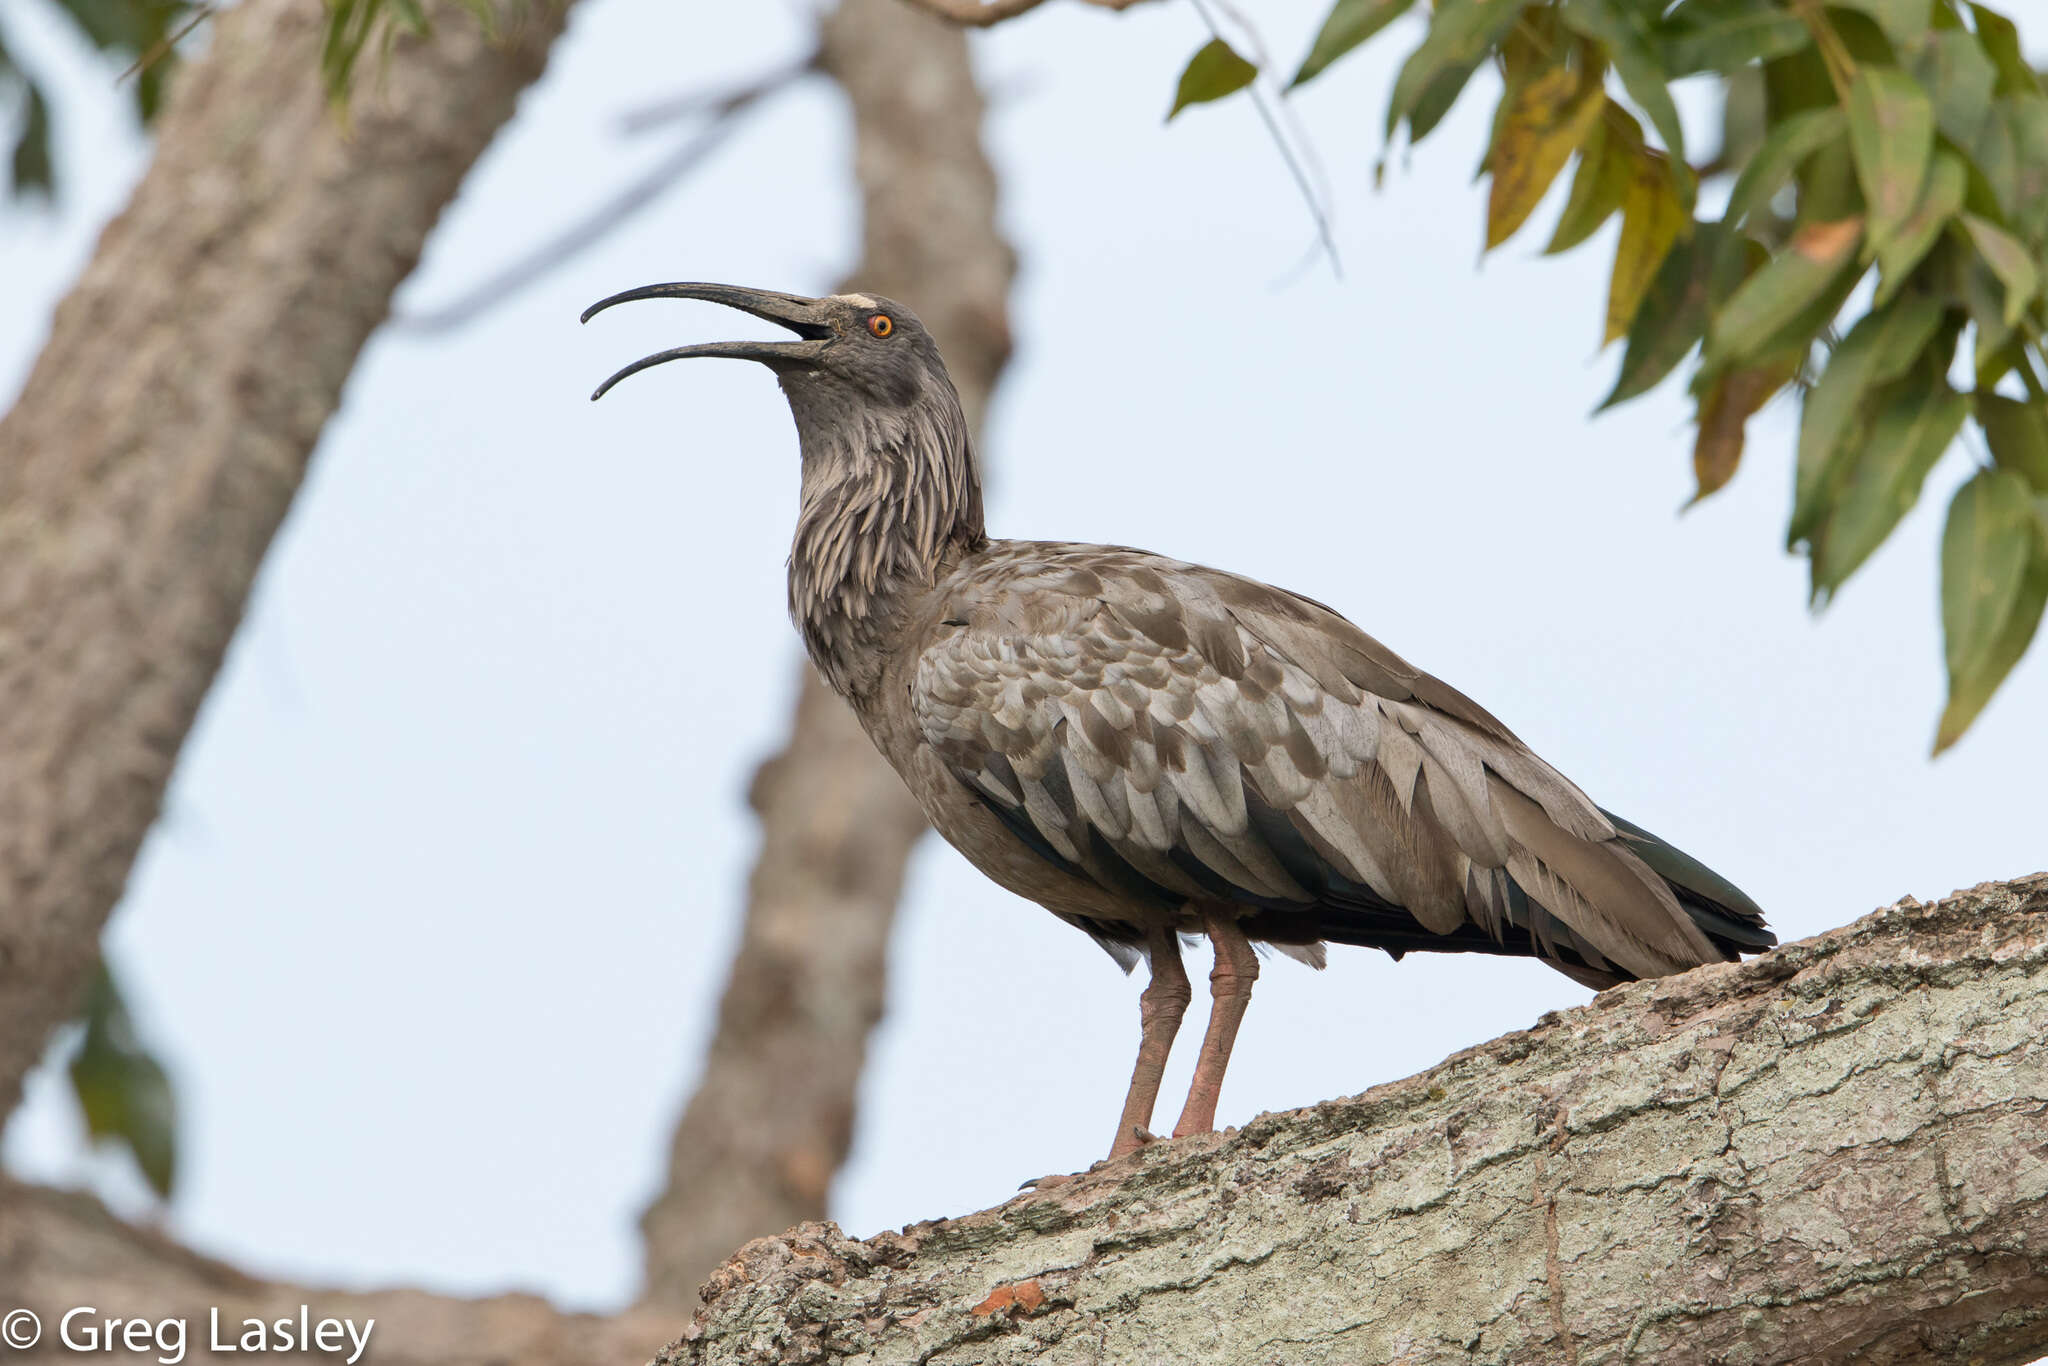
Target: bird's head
point(855, 356)
point(889, 479)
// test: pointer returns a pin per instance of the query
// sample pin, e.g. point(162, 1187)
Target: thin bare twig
point(1294, 165)
point(987, 13)
point(161, 48)
point(712, 104)
point(721, 113)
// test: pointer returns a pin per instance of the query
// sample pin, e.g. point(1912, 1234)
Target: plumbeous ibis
point(1149, 748)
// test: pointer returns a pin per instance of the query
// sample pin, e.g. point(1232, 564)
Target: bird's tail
point(1723, 912)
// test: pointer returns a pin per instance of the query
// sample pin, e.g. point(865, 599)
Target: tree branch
point(59, 1250)
point(989, 13)
point(1830, 1153)
point(166, 425)
point(773, 1115)
point(721, 114)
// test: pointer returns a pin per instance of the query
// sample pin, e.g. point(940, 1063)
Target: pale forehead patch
point(860, 300)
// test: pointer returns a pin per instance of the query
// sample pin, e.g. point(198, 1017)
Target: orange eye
point(881, 325)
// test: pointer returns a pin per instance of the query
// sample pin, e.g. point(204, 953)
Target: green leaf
point(1891, 136)
point(121, 1089)
point(2002, 41)
point(1213, 72)
point(1940, 202)
point(1622, 27)
point(1350, 23)
point(2010, 261)
point(1652, 216)
point(2017, 434)
point(1700, 271)
point(1606, 164)
point(1983, 294)
point(353, 24)
point(1907, 437)
point(1722, 35)
point(1460, 35)
point(1543, 121)
point(1959, 77)
point(1745, 119)
point(1790, 142)
point(1995, 157)
point(1814, 262)
point(1901, 20)
point(1994, 583)
point(2027, 118)
point(1882, 346)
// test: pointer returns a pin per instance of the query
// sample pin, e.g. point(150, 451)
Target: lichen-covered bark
point(1836, 1152)
point(166, 425)
point(773, 1115)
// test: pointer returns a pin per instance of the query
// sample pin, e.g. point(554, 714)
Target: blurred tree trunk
point(773, 1115)
point(167, 423)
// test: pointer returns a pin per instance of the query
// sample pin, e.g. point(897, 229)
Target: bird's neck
point(884, 510)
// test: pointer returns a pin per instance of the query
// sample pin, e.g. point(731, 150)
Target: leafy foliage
point(354, 25)
point(142, 31)
point(1898, 143)
point(122, 1089)
point(1216, 71)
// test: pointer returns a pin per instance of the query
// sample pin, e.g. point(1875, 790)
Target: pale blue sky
point(434, 927)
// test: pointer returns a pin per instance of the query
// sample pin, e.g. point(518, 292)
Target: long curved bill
point(805, 317)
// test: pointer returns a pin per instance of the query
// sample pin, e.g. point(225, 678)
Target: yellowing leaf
point(1543, 122)
point(1652, 215)
point(1994, 583)
point(1891, 136)
point(1213, 72)
point(1606, 164)
point(1622, 28)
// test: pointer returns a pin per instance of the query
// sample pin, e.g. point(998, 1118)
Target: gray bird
point(1151, 749)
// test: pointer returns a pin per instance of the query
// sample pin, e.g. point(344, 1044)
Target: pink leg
point(1230, 984)
point(1159, 1009)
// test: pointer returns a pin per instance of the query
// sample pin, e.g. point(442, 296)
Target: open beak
point(805, 317)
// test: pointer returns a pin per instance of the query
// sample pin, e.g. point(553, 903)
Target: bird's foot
point(1137, 1137)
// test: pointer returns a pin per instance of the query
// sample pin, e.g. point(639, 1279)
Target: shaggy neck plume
point(888, 497)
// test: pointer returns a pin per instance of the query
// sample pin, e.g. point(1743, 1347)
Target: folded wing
point(1172, 733)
